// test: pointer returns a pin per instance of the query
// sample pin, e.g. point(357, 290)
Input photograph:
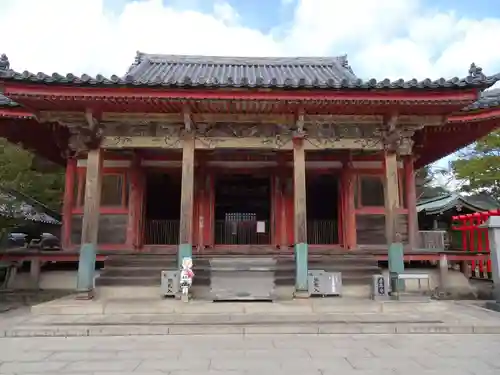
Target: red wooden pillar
point(274, 229)
point(134, 203)
point(68, 200)
point(209, 209)
point(282, 191)
point(349, 214)
point(201, 211)
point(411, 201)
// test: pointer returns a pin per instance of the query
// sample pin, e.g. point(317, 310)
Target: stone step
point(128, 281)
point(140, 263)
point(132, 271)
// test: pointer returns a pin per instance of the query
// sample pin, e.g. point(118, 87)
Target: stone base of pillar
point(395, 257)
point(35, 269)
point(185, 251)
point(301, 267)
point(86, 270)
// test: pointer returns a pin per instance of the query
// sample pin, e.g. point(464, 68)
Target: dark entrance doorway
point(322, 209)
point(162, 203)
point(242, 210)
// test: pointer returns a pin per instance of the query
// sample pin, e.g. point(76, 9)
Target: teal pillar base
point(301, 267)
point(396, 263)
point(185, 251)
point(86, 268)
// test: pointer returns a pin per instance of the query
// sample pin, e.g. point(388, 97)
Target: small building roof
point(6, 102)
point(181, 71)
point(488, 99)
point(440, 204)
point(28, 208)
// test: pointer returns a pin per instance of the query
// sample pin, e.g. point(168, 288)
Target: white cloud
point(384, 38)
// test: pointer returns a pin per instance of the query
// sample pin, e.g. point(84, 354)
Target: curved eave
point(20, 91)
point(16, 112)
point(475, 80)
point(35, 137)
point(430, 145)
point(483, 114)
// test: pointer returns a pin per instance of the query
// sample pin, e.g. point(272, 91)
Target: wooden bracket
point(94, 130)
point(188, 121)
point(299, 124)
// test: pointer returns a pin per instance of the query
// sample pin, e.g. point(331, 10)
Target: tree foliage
point(431, 182)
point(479, 166)
point(16, 173)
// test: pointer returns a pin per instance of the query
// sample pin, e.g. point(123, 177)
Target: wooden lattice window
point(370, 191)
point(114, 190)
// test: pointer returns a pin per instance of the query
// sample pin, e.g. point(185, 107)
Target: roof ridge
point(241, 60)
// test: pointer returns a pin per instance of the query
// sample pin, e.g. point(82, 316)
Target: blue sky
point(265, 14)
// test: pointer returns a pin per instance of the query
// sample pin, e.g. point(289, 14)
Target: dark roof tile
point(488, 99)
point(6, 102)
point(249, 72)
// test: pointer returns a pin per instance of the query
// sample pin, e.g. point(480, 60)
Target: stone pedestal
point(493, 225)
point(35, 269)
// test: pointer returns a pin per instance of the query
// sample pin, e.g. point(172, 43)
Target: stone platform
point(70, 317)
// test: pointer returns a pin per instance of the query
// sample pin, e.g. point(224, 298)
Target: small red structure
point(475, 239)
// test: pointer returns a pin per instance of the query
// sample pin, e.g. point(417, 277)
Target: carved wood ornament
point(319, 132)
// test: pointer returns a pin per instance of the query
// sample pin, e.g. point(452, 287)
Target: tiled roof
point(231, 71)
point(479, 202)
point(26, 207)
point(6, 102)
point(151, 70)
point(488, 99)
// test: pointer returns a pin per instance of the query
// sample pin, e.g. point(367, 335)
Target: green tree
point(479, 166)
point(428, 182)
point(16, 173)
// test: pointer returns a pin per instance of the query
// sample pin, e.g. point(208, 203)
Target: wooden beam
point(210, 143)
point(251, 118)
point(18, 91)
point(391, 187)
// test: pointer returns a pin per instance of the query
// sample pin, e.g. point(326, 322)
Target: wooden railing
point(242, 232)
point(432, 239)
point(322, 232)
point(161, 232)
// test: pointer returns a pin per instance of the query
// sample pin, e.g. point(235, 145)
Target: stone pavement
point(253, 354)
point(325, 316)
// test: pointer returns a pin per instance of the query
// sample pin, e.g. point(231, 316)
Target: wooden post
point(134, 203)
point(201, 202)
point(68, 200)
point(281, 214)
point(300, 222)
point(187, 200)
point(90, 226)
point(349, 222)
point(411, 201)
point(393, 238)
point(391, 186)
